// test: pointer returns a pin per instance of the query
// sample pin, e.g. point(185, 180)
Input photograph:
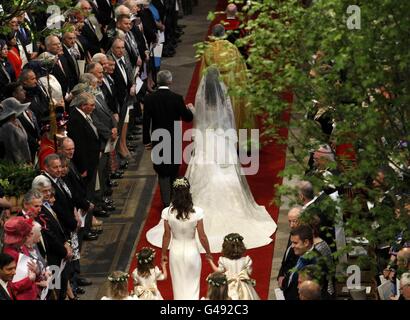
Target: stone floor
point(115, 247)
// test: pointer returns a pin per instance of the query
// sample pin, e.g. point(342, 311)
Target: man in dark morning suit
point(105, 13)
point(60, 69)
point(71, 54)
point(64, 205)
point(289, 259)
point(109, 88)
point(53, 234)
point(83, 132)
point(163, 109)
point(7, 272)
point(36, 94)
point(89, 31)
point(302, 243)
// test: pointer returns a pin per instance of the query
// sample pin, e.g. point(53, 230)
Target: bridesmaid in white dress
point(146, 276)
point(181, 221)
point(237, 268)
point(119, 287)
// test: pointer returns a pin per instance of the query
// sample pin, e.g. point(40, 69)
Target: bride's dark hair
point(181, 198)
point(213, 87)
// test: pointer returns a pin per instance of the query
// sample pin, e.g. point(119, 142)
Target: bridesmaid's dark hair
point(233, 247)
point(181, 198)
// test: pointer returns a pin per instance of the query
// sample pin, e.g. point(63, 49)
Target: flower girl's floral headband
point(233, 237)
point(148, 259)
point(216, 281)
point(121, 278)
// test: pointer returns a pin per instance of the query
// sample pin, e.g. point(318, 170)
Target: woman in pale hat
point(16, 232)
point(12, 134)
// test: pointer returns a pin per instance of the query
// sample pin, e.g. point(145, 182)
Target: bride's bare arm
point(166, 240)
point(203, 238)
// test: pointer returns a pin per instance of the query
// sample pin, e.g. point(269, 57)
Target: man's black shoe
point(83, 282)
point(112, 183)
point(90, 236)
point(80, 291)
point(101, 213)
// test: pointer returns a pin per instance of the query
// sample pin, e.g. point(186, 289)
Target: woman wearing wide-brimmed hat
point(12, 134)
point(16, 232)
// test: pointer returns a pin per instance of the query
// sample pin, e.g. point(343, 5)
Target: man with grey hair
point(289, 259)
point(32, 202)
point(163, 110)
point(60, 69)
point(322, 206)
point(405, 286)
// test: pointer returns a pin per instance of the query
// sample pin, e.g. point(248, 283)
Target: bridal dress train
point(214, 173)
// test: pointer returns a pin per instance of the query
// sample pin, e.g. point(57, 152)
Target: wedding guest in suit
point(36, 94)
point(82, 130)
point(60, 69)
point(162, 110)
point(7, 272)
point(289, 258)
point(124, 82)
point(56, 241)
point(302, 243)
point(71, 54)
point(89, 31)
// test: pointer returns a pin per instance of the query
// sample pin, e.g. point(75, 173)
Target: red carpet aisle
point(272, 161)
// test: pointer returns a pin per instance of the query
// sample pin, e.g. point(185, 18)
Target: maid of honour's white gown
point(217, 185)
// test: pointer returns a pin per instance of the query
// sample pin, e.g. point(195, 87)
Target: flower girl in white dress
point(119, 287)
point(237, 268)
point(146, 275)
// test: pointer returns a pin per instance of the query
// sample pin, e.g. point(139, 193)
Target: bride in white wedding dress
point(214, 173)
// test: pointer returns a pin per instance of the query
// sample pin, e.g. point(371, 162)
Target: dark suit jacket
point(290, 290)
point(33, 134)
point(122, 87)
point(62, 75)
point(53, 236)
point(105, 12)
point(4, 295)
point(87, 144)
point(77, 187)
point(288, 262)
point(93, 43)
point(161, 109)
point(64, 208)
point(72, 69)
point(110, 95)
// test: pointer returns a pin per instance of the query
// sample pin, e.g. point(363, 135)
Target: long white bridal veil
point(213, 108)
